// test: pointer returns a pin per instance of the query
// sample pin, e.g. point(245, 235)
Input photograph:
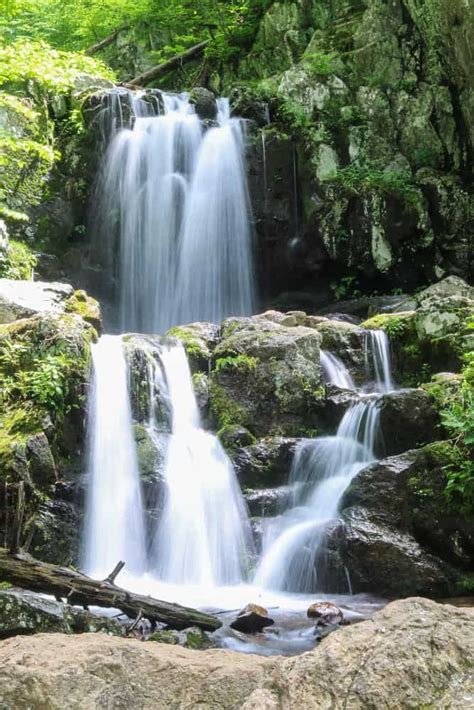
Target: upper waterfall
point(173, 206)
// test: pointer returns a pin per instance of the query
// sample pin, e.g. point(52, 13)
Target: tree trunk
point(25, 571)
point(174, 63)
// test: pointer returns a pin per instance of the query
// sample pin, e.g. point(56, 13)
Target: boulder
point(234, 437)
point(266, 463)
point(414, 652)
point(204, 102)
point(387, 561)
point(408, 419)
point(266, 377)
point(22, 299)
point(346, 341)
point(450, 286)
point(25, 613)
point(268, 501)
point(398, 518)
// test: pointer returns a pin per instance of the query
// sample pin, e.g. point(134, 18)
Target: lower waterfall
point(294, 543)
point(203, 536)
point(114, 528)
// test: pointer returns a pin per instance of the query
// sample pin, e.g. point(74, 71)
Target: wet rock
point(204, 102)
point(266, 463)
point(408, 419)
point(199, 341)
point(87, 307)
point(268, 501)
point(252, 620)
point(450, 286)
point(234, 437)
point(406, 493)
point(388, 561)
point(346, 341)
point(325, 613)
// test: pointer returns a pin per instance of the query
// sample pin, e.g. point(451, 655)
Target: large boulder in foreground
point(413, 653)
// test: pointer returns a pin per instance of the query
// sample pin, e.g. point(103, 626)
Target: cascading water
point(173, 203)
point(114, 527)
point(377, 349)
point(203, 535)
point(322, 469)
point(335, 372)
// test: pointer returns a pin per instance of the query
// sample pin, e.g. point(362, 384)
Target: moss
point(169, 637)
point(465, 584)
point(240, 362)
point(86, 307)
point(223, 409)
point(17, 262)
point(394, 324)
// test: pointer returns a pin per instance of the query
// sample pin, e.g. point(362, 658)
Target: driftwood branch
point(115, 572)
point(99, 46)
point(173, 63)
point(25, 571)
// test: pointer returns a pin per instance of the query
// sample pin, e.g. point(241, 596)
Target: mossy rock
point(265, 377)
point(86, 307)
point(199, 340)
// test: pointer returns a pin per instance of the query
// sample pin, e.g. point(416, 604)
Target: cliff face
point(368, 158)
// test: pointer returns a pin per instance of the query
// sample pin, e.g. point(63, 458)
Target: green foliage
point(457, 415)
point(319, 63)
point(244, 362)
point(394, 324)
point(229, 25)
point(373, 177)
point(17, 262)
point(53, 70)
point(345, 287)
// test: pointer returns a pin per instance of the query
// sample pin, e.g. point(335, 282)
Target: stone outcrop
point(401, 535)
point(412, 653)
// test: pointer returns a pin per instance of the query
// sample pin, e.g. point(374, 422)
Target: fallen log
point(25, 571)
point(165, 67)
point(99, 46)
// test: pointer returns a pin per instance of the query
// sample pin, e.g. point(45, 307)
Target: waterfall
point(174, 209)
point(325, 466)
point(335, 372)
point(377, 349)
point(203, 536)
point(322, 469)
point(114, 527)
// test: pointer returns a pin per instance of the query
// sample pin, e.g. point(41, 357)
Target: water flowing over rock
point(174, 209)
point(203, 535)
point(114, 528)
point(295, 543)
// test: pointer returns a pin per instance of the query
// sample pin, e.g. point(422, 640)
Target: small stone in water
point(325, 613)
point(252, 619)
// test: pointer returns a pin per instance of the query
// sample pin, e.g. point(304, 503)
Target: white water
point(174, 207)
point(294, 543)
point(335, 372)
point(377, 349)
point(203, 536)
point(114, 522)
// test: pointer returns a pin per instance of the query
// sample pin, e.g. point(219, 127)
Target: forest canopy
point(79, 24)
